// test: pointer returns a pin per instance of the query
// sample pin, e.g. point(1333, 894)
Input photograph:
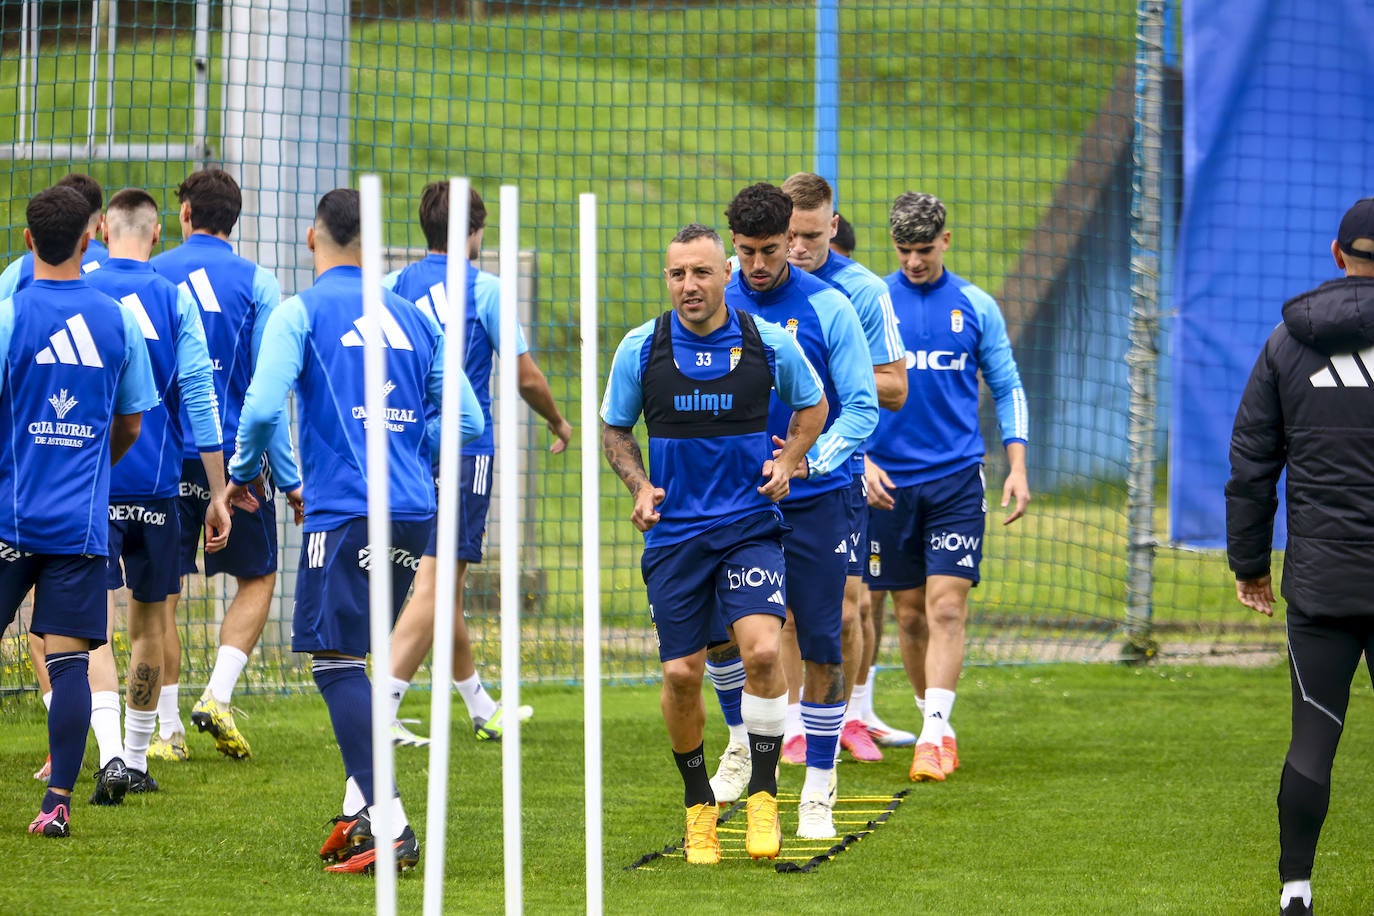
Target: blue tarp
point(1278, 142)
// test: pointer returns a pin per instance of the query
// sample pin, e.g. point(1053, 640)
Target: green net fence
point(1019, 114)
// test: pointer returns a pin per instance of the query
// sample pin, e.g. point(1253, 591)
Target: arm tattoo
point(622, 452)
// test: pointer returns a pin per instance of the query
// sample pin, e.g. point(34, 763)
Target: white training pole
point(452, 314)
point(509, 454)
point(95, 64)
point(111, 47)
point(591, 553)
point(379, 542)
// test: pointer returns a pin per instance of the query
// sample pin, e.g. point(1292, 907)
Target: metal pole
point(828, 93)
point(591, 555)
point(1143, 356)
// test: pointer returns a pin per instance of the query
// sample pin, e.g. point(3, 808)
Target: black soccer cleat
point(112, 781)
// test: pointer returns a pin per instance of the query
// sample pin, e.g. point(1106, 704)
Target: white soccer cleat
point(732, 776)
point(816, 813)
point(885, 735)
point(404, 737)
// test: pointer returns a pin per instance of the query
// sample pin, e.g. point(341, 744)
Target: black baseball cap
point(1358, 223)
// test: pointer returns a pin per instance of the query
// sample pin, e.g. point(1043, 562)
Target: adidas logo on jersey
point(1344, 371)
point(145, 324)
point(71, 346)
point(204, 293)
point(776, 598)
point(967, 561)
point(365, 332)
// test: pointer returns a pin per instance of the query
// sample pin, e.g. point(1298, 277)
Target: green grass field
point(1083, 789)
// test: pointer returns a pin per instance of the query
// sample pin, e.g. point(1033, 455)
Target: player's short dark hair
point(844, 235)
point(916, 218)
point(88, 188)
point(693, 231)
point(132, 199)
point(340, 214)
point(759, 211)
point(215, 200)
point(808, 191)
point(57, 217)
point(434, 214)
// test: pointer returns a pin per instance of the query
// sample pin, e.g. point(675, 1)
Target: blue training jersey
point(170, 324)
point(826, 326)
point(424, 283)
point(708, 480)
point(315, 341)
point(235, 297)
point(74, 358)
point(952, 331)
point(19, 273)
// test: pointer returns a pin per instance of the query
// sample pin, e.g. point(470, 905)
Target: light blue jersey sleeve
point(794, 377)
point(470, 419)
point(6, 332)
point(623, 400)
point(266, 297)
point(195, 376)
point(9, 279)
point(264, 406)
point(998, 365)
point(136, 391)
point(487, 292)
point(873, 303)
point(389, 281)
point(851, 372)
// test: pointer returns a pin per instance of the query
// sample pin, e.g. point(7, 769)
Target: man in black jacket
point(1309, 407)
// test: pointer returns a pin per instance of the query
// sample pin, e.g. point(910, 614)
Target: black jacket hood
point(1336, 317)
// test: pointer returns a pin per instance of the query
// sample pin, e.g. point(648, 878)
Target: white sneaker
point(732, 776)
point(404, 737)
point(884, 734)
point(816, 813)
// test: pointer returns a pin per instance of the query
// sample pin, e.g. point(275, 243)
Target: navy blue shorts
point(817, 553)
point(858, 525)
point(936, 529)
point(252, 548)
point(332, 606)
point(146, 536)
point(68, 593)
point(474, 500)
point(714, 579)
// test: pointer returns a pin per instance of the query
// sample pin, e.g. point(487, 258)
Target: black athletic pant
point(1323, 655)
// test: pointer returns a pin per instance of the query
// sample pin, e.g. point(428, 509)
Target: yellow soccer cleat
point(926, 763)
point(209, 715)
point(171, 750)
point(763, 836)
point(700, 845)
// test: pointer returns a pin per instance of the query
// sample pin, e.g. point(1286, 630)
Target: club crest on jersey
point(875, 565)
point(791, 326)
point(735, 354)
point(956, 320)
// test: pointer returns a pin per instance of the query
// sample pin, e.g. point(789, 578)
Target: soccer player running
point(19, 273)
point(144, 529)
point(314, 342)
point(424, 284)
point(818, 510)
point(75, 384)
point(235, 297)
point(1308, 408)
point(814, 225)
point(925, 467)
point(702, 376)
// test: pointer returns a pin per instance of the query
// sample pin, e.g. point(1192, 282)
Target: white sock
point(792, 723)
point(921, 706)
point(138, 732)
point(105, 724)
point(857, 698)
point(398, 816)
point(353, 798)
point(396, 692)
point(475, 697)
point(763, 716)
point(939, 704)
point(817, 782)
point(1293, 889)
point(229, 664)
point(168, 715)
point(47, 701)
point(868, 692)
point(739, 734)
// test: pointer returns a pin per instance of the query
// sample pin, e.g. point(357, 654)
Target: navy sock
point(51, 800)
point(692, 766)
point(69, 717)
point(348, 693)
